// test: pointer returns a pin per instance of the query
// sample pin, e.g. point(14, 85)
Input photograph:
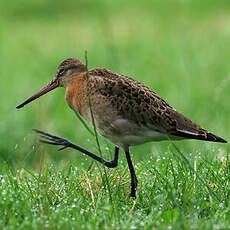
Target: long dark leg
point(54, 140)
point(134, 180)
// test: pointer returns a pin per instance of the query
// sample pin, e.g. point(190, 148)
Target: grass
point(178, 48)
point(169, 196)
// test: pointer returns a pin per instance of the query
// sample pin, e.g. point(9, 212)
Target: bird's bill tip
point(52, 85)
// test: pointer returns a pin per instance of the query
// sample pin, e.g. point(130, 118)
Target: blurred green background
point(180, 48)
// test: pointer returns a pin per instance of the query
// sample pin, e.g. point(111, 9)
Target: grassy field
point(181, 49)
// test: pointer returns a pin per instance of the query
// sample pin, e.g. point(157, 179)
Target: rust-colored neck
point(76, 95)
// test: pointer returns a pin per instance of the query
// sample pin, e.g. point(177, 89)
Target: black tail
point(212, 137)
point(207, 137)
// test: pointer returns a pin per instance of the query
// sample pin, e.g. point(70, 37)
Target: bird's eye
point(61, 71)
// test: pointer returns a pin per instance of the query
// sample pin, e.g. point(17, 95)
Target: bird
point(125, 111)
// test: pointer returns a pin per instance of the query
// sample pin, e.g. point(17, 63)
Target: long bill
point(52, 85)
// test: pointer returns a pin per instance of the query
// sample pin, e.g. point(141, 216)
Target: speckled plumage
point(127, 112)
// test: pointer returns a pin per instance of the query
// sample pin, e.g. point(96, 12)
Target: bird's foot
point(53, 140)
point(132, 194)
point(133, 191)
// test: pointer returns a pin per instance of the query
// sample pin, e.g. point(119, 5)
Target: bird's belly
point(131, 140)
point(123, 132)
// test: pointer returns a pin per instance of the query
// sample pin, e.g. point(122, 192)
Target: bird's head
point(67, 71)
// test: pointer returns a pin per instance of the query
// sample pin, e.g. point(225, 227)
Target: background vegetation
point(181, 49)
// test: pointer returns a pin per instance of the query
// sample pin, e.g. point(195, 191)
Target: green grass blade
point(94, 124)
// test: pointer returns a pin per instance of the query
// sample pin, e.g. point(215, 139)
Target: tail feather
point(207, 137)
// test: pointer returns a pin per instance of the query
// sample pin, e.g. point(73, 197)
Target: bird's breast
point(76, 96)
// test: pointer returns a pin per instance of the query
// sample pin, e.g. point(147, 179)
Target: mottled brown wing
point(136, 102)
